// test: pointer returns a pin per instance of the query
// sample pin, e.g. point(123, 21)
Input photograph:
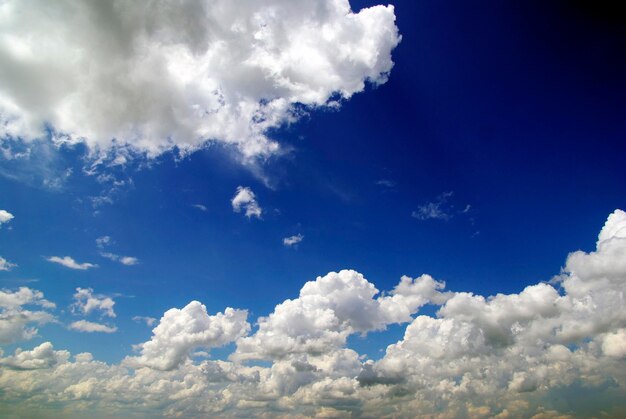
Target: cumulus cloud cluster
point(180, 331)
point(166, 74)
point(553, 350)
point(86, 302)
point(330, 309)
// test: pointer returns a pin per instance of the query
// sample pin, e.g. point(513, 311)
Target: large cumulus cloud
point(330, 309)
point(553, 350)
point(180, 331)
point(159, 74)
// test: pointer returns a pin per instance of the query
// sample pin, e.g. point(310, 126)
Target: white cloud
point(91, 327)
point(5, 265)
point(5, 217)
point(173, 74)
point(535, 342)
point(104, 241)
point(245, 199)
point(86, 302)
point(330, 309)
point(17, 322)
point(129, 260)
point(124, 260)
point(69, 262)
point(149, 321)
point(182, 330)
point(543, 352)
point(42, 356)
point(293, 240)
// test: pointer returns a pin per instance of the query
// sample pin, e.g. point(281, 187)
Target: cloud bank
point(153, 76)
point(555, 349)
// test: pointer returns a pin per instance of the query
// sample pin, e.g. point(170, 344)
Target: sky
point(313, 208)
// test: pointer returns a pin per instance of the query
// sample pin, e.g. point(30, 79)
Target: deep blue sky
point(516, 107)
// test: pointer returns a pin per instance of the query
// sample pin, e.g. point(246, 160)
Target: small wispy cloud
point(386, 182)
point(293, 240)
point(102, 242)
point(201, 207)
point(105, 241)
point(69, 262)
point(439, 209)
point(149, 321)
point(245, 200)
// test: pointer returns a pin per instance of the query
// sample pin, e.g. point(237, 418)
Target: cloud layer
point(553, 350)
point(169, 74)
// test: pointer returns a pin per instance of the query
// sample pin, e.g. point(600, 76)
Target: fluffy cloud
point(330, 309)
point(42, 356)
point(293, 240)
point(182, 330)
point(515, 347)
point(245, 199)
point(5, 217)
point(545, 352)
point(17, 322)
point(69, 262)
point(91, 327)
point(170, 74)
point(86, 302)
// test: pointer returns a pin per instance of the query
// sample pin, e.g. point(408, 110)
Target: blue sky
point(494, 149)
